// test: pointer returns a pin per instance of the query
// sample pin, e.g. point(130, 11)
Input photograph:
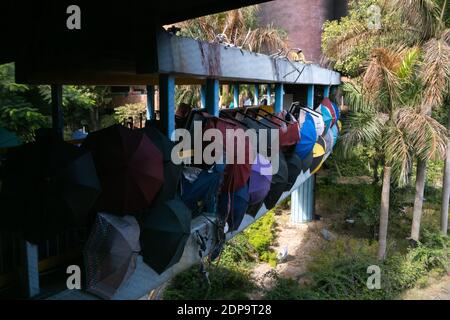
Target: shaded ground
point(436, 289)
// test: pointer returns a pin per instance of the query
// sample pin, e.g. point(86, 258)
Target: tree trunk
point(446, 185)
point(384, 213)
point(418, 201)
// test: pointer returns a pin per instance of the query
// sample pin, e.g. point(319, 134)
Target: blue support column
point(203, 97)
point(167, 103)
point(256, 100)
point(236, 95)
point(302, 202)
point(310, 98)
point(212, 96)
point(57, 113)
point(326, 92)
point(279, 96)
point(29, 275)
point(150, 102)
point(269, 94)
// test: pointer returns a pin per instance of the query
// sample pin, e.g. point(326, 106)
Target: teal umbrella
point(335, 132)
point(327, 117)
point(8, 139)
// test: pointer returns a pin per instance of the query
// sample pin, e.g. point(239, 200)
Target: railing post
point(279, 96)
point(29, 276)
point(269, 93)
point(167, 103)
point(212, 96)
point(203, 97)
point(256, 100)
point(236, 95)
point(57, 113)
point(150, 102)
point(326, 92)
point(310, 98)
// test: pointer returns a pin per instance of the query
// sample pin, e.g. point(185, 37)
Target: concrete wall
point(303, 20)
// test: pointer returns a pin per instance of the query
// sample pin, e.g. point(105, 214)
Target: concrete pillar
point(279, 96)
point(326, 92)
point(256, 100)
point(310, 98)
point(203, 97)
point(29, 275)
point(212, 97)
point(236, 95)
point(150, 102)
point(57, 113)
point(269, 93)
point(167, 103)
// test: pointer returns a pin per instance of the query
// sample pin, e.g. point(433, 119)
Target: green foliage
point(134, 111)
point(23, 120)
point(261, 235)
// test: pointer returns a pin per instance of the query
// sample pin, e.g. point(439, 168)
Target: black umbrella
point(280, 183)
point(49, 186)
point(165, 233)
point(254, 209)
point(308, 162)
point(110, 253)
point(172, 172)
point(294, 164)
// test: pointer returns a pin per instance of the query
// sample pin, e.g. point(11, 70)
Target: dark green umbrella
point(166, 230)
point(49, 186)
point(280, 183)
point(294, 164)
point(8, 139)
point(308, 162)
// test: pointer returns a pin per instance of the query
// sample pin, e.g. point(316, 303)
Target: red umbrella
point(129, 166)
point(236, 174)
point(329, 105)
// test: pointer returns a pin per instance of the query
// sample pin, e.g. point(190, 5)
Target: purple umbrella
point(260, 179)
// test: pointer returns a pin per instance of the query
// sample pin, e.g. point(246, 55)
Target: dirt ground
point(436, 289)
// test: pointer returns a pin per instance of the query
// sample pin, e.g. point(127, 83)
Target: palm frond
point(397, 153)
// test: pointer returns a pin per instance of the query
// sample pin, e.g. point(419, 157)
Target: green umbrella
point(165, 233)
point(8, 139)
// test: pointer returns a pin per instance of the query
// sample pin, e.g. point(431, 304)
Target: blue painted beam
point(212, 96)
point(236, 95)
point(279, 97)
point(57, 113)
point(269, 93)
point(203, 97)
point(256, 100)
point(310, 97)
point(150, 102)
point(326, 92)
point(167, 103)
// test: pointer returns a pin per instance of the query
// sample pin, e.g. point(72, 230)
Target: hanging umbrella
point(327, 117)
point(337, 111)
point(294, 164)
point(49, 186)
point(200, 193)
point(318, 155)
point(8, 139)
point(253, 209)
point(110, 253)
point(307, 162)
point(172, 171)
point(130, 168)
point(326, 102)
point(232, 207)
point(166, 230)
point(260, 179)
point(329, 141)
point(280, 183)
point(335, 131)
point(308, 137)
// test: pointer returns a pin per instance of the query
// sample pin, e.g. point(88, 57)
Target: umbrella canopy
point(200, 193)
point(260, 179)
point(110, 253)
point(49, 186)
point(130, 168)
point(308, 137)
point(294, 164)
point(172, 172)
point(8, 139)
point(327, 117)
point(335, 131)
point(329, 105)
point(280, 183)
point(165, 232)
point(253, 209)
point(329, 141)
point(337, 111)
point(307, 162)
point(232, 207)
point(318, 155)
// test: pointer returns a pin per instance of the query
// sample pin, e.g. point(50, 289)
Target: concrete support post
point(236, 95)
point(326, 91)
point(150, 102)
point(203, 97)
point(256, 100)
point(269, 93)
point(57, 113)
point(167, 103)
point(212, 97)
point(29, 276)
point(279, 97)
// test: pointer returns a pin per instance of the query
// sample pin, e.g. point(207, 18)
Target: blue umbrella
point(8, 139)
point(233, 206)
point(335, 131)
point(336, 110)
point(308, 137)
point(327, 117)
point(201, 191)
